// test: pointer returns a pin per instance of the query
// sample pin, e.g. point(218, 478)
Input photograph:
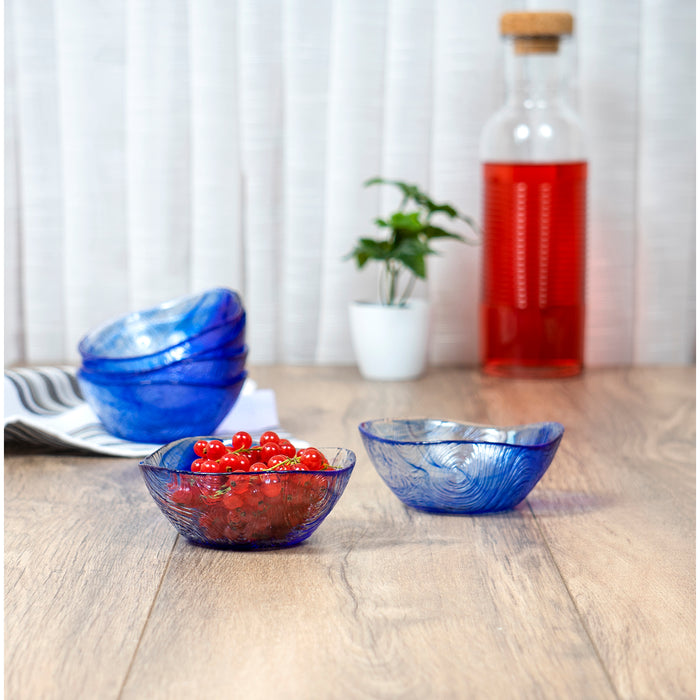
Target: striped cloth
point(44, 406)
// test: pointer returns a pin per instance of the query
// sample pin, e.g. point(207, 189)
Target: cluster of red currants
point(271, 454)
point(250, 493)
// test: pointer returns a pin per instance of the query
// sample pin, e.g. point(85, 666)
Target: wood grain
point(617, 510)
point(85, 552)
point(382, 603)
point(586, 590)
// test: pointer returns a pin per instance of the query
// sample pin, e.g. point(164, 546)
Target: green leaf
point(411, 254)
point(369, 249)
point(416, 264)
point(416, 246)
point(445, 208)
point(437, 232)
point(406, 222)
point(383, 181)
point(409, 191)
point(411, 231)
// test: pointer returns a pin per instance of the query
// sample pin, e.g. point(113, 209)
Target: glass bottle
point(534, 176)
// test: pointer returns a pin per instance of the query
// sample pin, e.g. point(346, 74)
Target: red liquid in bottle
point(532, 311)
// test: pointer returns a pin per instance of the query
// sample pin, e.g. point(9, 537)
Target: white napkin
point(44, 406)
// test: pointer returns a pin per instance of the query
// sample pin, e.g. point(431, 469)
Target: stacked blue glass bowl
point(168, 372)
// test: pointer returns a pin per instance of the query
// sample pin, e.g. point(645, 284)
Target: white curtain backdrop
point(159, 147)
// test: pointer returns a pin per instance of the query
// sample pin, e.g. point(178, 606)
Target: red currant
point(232, 500)
point(269, 436)
point(271, 486)
point(241, 485)
point(279, 461)
point(184, 495)
point(241, 441)
point(215, 449)
point(311, 458)
point(269, 449)
point(286, 448)
point(235, 462)
point(248, 454)
point(200, 448)
point(209, 466)
point(271, 454)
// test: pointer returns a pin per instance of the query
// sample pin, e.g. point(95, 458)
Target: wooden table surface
point(585, 590)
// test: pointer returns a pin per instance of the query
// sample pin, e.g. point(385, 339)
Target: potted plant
point(390, 337)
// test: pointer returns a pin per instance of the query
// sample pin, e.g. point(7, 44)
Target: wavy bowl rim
point(144, 462)
point(239, 318)
point(239, 379)
point(362, 427)
point(114, 377)
point(88, 363)
point(243, 354)
point(86, 355)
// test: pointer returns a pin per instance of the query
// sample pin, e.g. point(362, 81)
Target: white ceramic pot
point(390, 342)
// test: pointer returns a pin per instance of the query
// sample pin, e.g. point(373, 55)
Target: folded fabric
point(44, 406)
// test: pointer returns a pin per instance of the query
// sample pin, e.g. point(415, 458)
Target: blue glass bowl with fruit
point(159, 412)
point(443, 466)
point(237, 494)
point(170, 332)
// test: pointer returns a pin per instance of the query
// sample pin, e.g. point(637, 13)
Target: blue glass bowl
point(225, 351)
point(193, 371)
point(170, 332)
point(442, 466)
point(160, 413)
point(243, 510)
point(219, 343)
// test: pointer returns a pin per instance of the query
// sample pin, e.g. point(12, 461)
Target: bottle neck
point(534, 78)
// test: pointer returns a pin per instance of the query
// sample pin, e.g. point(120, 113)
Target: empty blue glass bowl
point(217, 343)
point(243, 510)
point(192, 371)
point(160, 413)
point(170, 332)
point(225, 351)
point(443, 466)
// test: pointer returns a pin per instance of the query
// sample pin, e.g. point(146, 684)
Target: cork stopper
point(536, 32)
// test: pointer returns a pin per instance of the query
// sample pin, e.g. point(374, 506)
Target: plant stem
point(388, 284)
point(393, 272)
point(390, 293)
point(409, 289)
